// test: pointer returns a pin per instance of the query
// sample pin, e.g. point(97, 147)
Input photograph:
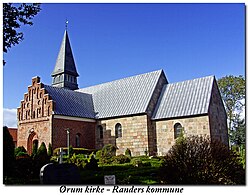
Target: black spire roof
point(65, 73)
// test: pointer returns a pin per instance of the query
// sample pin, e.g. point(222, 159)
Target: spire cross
point(66, 24)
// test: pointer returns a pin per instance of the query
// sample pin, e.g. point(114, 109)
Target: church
point(144, 113)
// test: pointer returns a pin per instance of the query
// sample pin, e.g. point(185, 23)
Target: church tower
point(65, 73)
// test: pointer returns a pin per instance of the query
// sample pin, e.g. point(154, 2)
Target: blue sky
point(113, 41)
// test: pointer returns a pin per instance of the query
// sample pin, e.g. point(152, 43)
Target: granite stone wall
point(134, 134)
point(217, 116)
point(195, 125)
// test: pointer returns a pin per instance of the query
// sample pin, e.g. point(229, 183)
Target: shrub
point(200, 160)
point(75, 151)
point(21, 154)
point(79, 160)
point(128, 153)
point(120, 159)
point(146, 164)
point(34, 149)
point(98, 154)
point(107, 152)
point(19, 151)
point(41, 158)
point(50, 150)
point(42, 153)
point(24, 168)
point(71, 151)
point(92, 163)
point(136, 162)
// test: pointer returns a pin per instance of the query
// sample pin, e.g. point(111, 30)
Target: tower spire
point(66, 24)
point(65, 72)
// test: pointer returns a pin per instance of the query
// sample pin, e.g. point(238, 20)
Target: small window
point(78, 140)
point(178, 129)
point(100, 131)
point(118, 130)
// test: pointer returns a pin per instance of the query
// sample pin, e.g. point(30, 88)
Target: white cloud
point(9, 117)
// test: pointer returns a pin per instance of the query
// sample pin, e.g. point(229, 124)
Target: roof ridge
point(66, 89)
point(108, 82)
point(192, 79)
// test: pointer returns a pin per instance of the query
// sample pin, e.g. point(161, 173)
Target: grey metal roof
point(65, 61)
point(185, 98)
point(71, 103)
point(125, 96)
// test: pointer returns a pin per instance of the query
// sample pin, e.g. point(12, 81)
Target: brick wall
point(34, 116)
point(85, 130)
point(13, 133)
point(41, 129)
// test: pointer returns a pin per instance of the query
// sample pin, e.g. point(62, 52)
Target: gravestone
point(61, 153)
point(59, 174)
point(109, 179)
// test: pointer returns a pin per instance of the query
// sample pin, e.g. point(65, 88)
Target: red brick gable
point(36, 104)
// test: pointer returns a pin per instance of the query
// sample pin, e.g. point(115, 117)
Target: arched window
point(100, 131)
point(118, 130)
point(178, 129)
point(78, 140)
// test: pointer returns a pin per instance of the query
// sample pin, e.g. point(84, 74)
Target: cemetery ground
point(192, 160)
point(140, 170)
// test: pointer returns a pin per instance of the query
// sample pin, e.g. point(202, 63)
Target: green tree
point(8, 153)
point(232, 89)
point(238, 131)
point(34, 149)
point(50, 150)
point(40, 159)
point(15, 15)
point(42, 152)
point(19, 151)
